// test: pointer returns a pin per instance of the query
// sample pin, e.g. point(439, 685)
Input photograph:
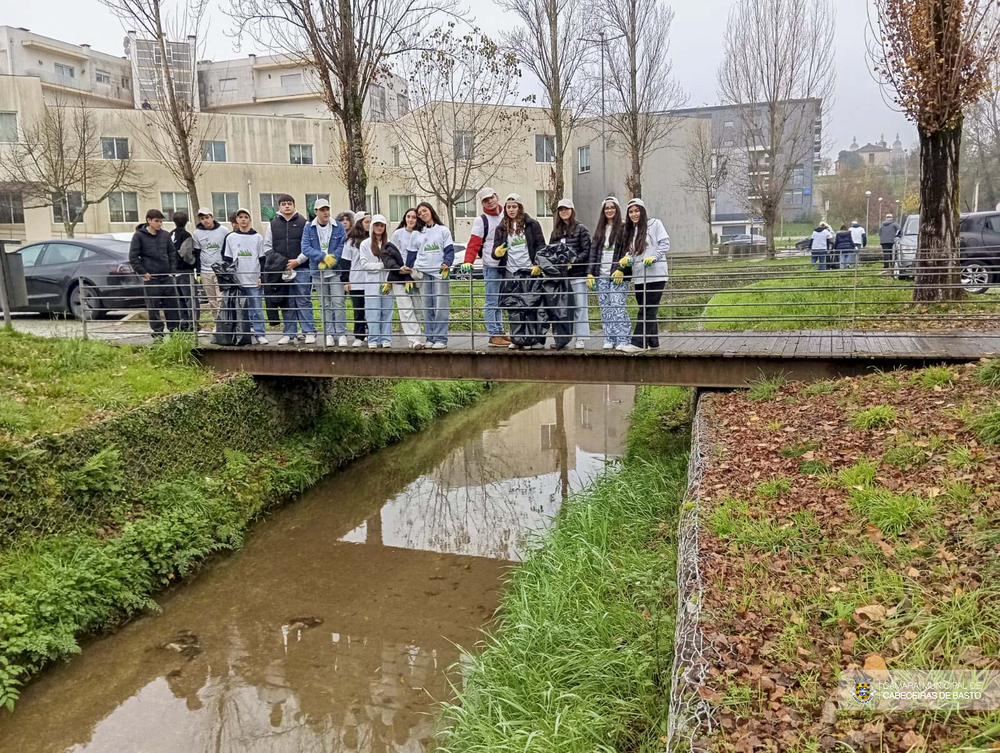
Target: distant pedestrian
point(887, 237)
point(208, 239)
point(572, 232)
point(284, 236)
point(245, 247)
point(186, 263)
point(645, 242)
point(859, 236)
point(819, 245)
point(481, 244)
point(432, 256)
point(843, 245)
point(151, 254)
point(323, 245)
point(355, 236)
point(612, 285)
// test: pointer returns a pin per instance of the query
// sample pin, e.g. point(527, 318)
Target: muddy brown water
point(336, 627)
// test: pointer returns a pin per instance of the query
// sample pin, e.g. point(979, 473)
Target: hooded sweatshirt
point(209, 242)
point(821, 238)
point(247, 250)
point(858, 235)
point(151, 254)
point(887, 232)
point(433, 248)
point(482, 237)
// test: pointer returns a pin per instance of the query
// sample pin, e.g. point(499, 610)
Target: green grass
point(798, 449)
point(54, 385)
point(986, 424)
point(892, 513)
point(876, 417)
point(988, 372)
point(580, 659)
point(765, 388)
point(774, 487)
point(934, 376)
point(750, 529)
point(860, 474)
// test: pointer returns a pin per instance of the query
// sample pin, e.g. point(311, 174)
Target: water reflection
point(335, 628)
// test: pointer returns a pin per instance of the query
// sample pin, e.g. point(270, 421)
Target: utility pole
point(603, 40)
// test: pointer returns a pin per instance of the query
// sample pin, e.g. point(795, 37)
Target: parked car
point(53, 271)
point(979, 234)
point(804, 245)
point(744, 239)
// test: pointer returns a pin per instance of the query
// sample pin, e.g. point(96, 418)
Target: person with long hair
point(645, 242)
point(355, 277)
point(378, 292)
point(431, 256)
point(611, 283)
point(346, 220)
point(567, 229)
point(404, 289)
point(517, 240)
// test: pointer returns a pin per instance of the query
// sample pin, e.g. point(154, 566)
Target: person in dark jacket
point(569, 230)
point(151, 255)
point(186, 263)
point(887, 237)
point(516, 242)
point(844, 254)
point(284, 237)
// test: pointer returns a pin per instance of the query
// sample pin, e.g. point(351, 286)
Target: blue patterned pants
point(614, 315)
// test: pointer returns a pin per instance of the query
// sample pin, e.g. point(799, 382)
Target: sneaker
point(628, 348)
point(512, 346)
point(284, 340)
point(416, 346)
point(537, 346)
point(261, 340)
point(439, 346)
point(358, 342)
point(608, 345)
point(499, 341)
point(372, 346)
point(300, 336)
point(331, 341)
point(342, 341)
point(580, 344)
point(310, 339)
point(386, 345)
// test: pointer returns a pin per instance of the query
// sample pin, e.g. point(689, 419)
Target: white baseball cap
point(378, 218)
point(321, 204)
point(515, 197)
point(485, 193)
point(565, 204)
point(244, 210)
point(205, 212)
point(637, 202)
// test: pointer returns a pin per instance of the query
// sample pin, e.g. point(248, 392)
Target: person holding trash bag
point(242, 302)
point(378, 292)
point(612, 282)
point(516, 242)
point(646, 243)
point(404, 288)
point(583, 264)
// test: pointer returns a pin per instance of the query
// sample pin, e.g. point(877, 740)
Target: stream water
point(335, 628)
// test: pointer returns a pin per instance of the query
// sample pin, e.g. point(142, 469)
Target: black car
point(54, 271)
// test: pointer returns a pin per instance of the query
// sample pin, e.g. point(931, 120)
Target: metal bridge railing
point(699, 294)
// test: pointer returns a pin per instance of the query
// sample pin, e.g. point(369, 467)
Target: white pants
point(406, 306)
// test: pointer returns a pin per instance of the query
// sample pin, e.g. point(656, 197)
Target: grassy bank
point(95, 520)
point(580, 658)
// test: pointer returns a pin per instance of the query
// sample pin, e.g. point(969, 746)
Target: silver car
point(904, 250)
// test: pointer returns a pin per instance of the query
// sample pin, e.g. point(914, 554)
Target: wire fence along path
point(831, 295)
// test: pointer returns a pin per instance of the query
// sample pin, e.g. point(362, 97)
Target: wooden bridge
point(697, 359)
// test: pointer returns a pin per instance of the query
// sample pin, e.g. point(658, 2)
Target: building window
point(463, 145)
point(728, 124)
point(126, 82)
point(269, 205)
point(543, 203)
point(65, 70)
point(583, 154)
point(311, 199)
point(227, 84)
point(402, 104)
point(394, 150)
point(727, 144)
point(8, 126)
point(174, 201)
point(291, 80)
point(102, 77)
point(75, 200)
point(378, 102)
point(214, 151)
point(398, 204)
point(300, 154)
point(11, 208)
point(545, 148)
point(465, 205)
point(798, 176)
point(224, 204)
point(123, 206)
point(114, 148)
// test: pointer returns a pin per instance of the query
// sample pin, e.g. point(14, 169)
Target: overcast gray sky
point(696, 48)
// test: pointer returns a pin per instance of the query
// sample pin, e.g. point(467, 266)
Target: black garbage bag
point(520, 297)
point(232, 327)
point(275, 291)
point(556, 292)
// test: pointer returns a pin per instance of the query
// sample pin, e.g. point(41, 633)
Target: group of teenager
point(356, 257)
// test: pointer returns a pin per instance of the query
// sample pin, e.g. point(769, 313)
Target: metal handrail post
point(83, 305)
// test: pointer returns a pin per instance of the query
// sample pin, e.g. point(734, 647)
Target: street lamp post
point(879, 206)
point(603, 40)
point(868, 208)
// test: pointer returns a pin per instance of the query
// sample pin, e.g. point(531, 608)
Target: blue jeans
point(849, 258)
point(378, 313)
point(331, 304)
point(820, 259)
point(437, 308)
point(299, 312)
point(614, 314)
point(581, 318)
point(493, 277)
point(255, 308)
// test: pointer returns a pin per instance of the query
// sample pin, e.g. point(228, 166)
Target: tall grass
point(580, 658)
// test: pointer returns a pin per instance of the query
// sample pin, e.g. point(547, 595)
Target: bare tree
point(172, 116)
point(640, 85)
point(778, 74)
point(550, 42)
point(935, 56)
point(350, 45)
point(58, 161)
point(458, 134)
point(706, 166)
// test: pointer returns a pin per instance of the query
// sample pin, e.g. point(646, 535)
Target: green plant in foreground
point(774, 487)
point(986, 425)
point(987, 372)
point(904, 456)
point(892, 513)
point(798, 449)
point(861, 474)
point(813, 468)
point(820, 388)
point(876, 417)
point(962, 458)
point(933, 376)
point(766, 388)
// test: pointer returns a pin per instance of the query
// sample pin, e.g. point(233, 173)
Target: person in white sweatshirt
point(404, 288)
point(432, 255)
point(612, 287)
point(378, 292)
point(245, 246)
point(209, 236)
point(646, 245)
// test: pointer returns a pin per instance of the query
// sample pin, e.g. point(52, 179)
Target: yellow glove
point(499, 251)
point(536, 271)
point(569, 267)
point(322, 265)
point(648, 261)
point(410, 287)
point(386, 288)
point(466, 268)
point(625, 262)
point(617, 277)
point(591, 283)
point(445, 272)
point(330, 260)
